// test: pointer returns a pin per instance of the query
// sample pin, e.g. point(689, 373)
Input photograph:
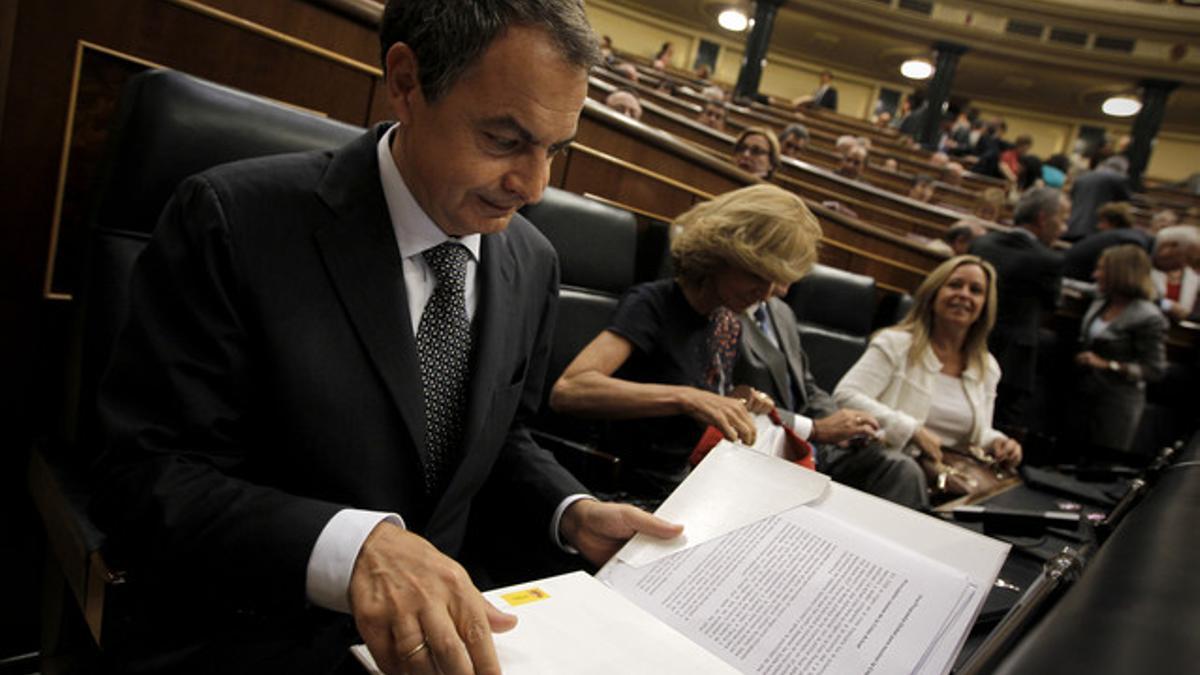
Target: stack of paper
point(779, 571)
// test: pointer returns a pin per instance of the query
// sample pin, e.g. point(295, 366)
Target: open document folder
point(780, 571)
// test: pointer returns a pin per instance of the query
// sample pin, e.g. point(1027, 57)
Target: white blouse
point(950, 413)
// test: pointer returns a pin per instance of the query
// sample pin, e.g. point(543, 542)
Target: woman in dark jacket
point(1122, 347)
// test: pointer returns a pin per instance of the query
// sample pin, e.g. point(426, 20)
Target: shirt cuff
point(331, 563)
point(555, 533)
point(802, 425)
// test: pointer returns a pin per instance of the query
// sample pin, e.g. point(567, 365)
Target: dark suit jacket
point(1114, 401)
point(268, 378)
point(1088, 193)
point(829, 99)
point(1080, 260)
point(766, 368)
point(1029, 277)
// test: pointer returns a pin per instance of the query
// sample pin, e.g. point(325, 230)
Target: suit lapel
point(788, 332)
point(360, 254)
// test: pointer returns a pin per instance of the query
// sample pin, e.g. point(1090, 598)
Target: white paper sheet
point(577, 625)
point(732, 488)
point(801, 592)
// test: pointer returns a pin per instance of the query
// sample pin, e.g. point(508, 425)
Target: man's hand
point(757, 402)
point(842, 426)
point(599, 529)
point(417, 609)
point(1091, 360)
point(730, 415)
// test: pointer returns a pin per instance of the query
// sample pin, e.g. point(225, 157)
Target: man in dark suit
point(327, 367)
point(1114, 227)
point(824, 96)
point(1029, 276)
point(771, 360)
point(1107, 183)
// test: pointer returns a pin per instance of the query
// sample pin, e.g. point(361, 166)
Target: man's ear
point(403, 81)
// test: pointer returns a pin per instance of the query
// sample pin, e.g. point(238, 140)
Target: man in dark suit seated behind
point(1029, 274)
point(328, 364)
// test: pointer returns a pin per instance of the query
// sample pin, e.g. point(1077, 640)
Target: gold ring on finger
point(415, 650)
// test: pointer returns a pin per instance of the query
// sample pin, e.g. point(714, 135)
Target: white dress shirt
point(331, 563)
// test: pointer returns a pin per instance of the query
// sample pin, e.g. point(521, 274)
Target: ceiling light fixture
point(1121, 106)
point(734, 20)
point(916, 69)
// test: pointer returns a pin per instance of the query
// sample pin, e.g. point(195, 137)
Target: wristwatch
point(1114, 366)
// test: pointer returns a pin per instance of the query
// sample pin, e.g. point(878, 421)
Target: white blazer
point(1189, 287)
point(899, 396)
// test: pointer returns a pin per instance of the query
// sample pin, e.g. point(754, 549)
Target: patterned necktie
point(444, 350)
point(724, 329)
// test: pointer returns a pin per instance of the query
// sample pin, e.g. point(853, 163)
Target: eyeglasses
point(754, 150)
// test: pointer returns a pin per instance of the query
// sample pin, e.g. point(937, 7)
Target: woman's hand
point(1006, 451)
point(723, 412)
point(1090, 359)
point(756, 401)
point(929, 443)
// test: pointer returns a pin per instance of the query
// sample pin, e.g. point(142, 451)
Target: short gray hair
point(798, 130)
point(449, 36)
point(1117, 163)
point(1035, 202)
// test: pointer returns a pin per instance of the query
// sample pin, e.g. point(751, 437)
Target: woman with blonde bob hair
point(1121, 348)
point(667, 357)
point(930, 380)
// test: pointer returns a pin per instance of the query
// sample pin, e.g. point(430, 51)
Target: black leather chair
point(168, 127)
point(597, 249)
point(835, 310)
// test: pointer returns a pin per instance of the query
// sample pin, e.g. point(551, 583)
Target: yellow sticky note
point(524, 596)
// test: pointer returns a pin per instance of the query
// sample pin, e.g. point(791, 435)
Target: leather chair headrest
point(171, 125)
point(834, 299)
point(596, 243)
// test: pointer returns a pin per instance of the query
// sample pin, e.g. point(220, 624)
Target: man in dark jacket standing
point(1108, 183)
point(1030, 274)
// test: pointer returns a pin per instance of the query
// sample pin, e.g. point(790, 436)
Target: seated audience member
point(853, 164)
point(757, 152)
point(606, 49)
point(1055, 170)
point(824, 96)
point(793, 140)
point(844, 144)
point(939, 159)
point(1163, 219)
point(703, 71)
point(626, 70)
point(930, 380)
point(663, 58)
point(1114, 227)
point(952, 174)
point(883, 120)
point(713, 345)
point(990, 204)
point(958, 237)
point(666, 86)
point(1030, 175)
point(714, 93)
point(922, 188)
point(1122, 347)
point(890, 164)
point(713, 115)
point(625, 102)
point(1010, 159)
point(1176, 282)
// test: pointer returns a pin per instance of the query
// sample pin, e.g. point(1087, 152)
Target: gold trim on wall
point(272, 34)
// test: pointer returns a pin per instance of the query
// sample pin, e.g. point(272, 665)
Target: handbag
point(965, 476)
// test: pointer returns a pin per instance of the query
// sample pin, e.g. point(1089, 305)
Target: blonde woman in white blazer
point(929, 380)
